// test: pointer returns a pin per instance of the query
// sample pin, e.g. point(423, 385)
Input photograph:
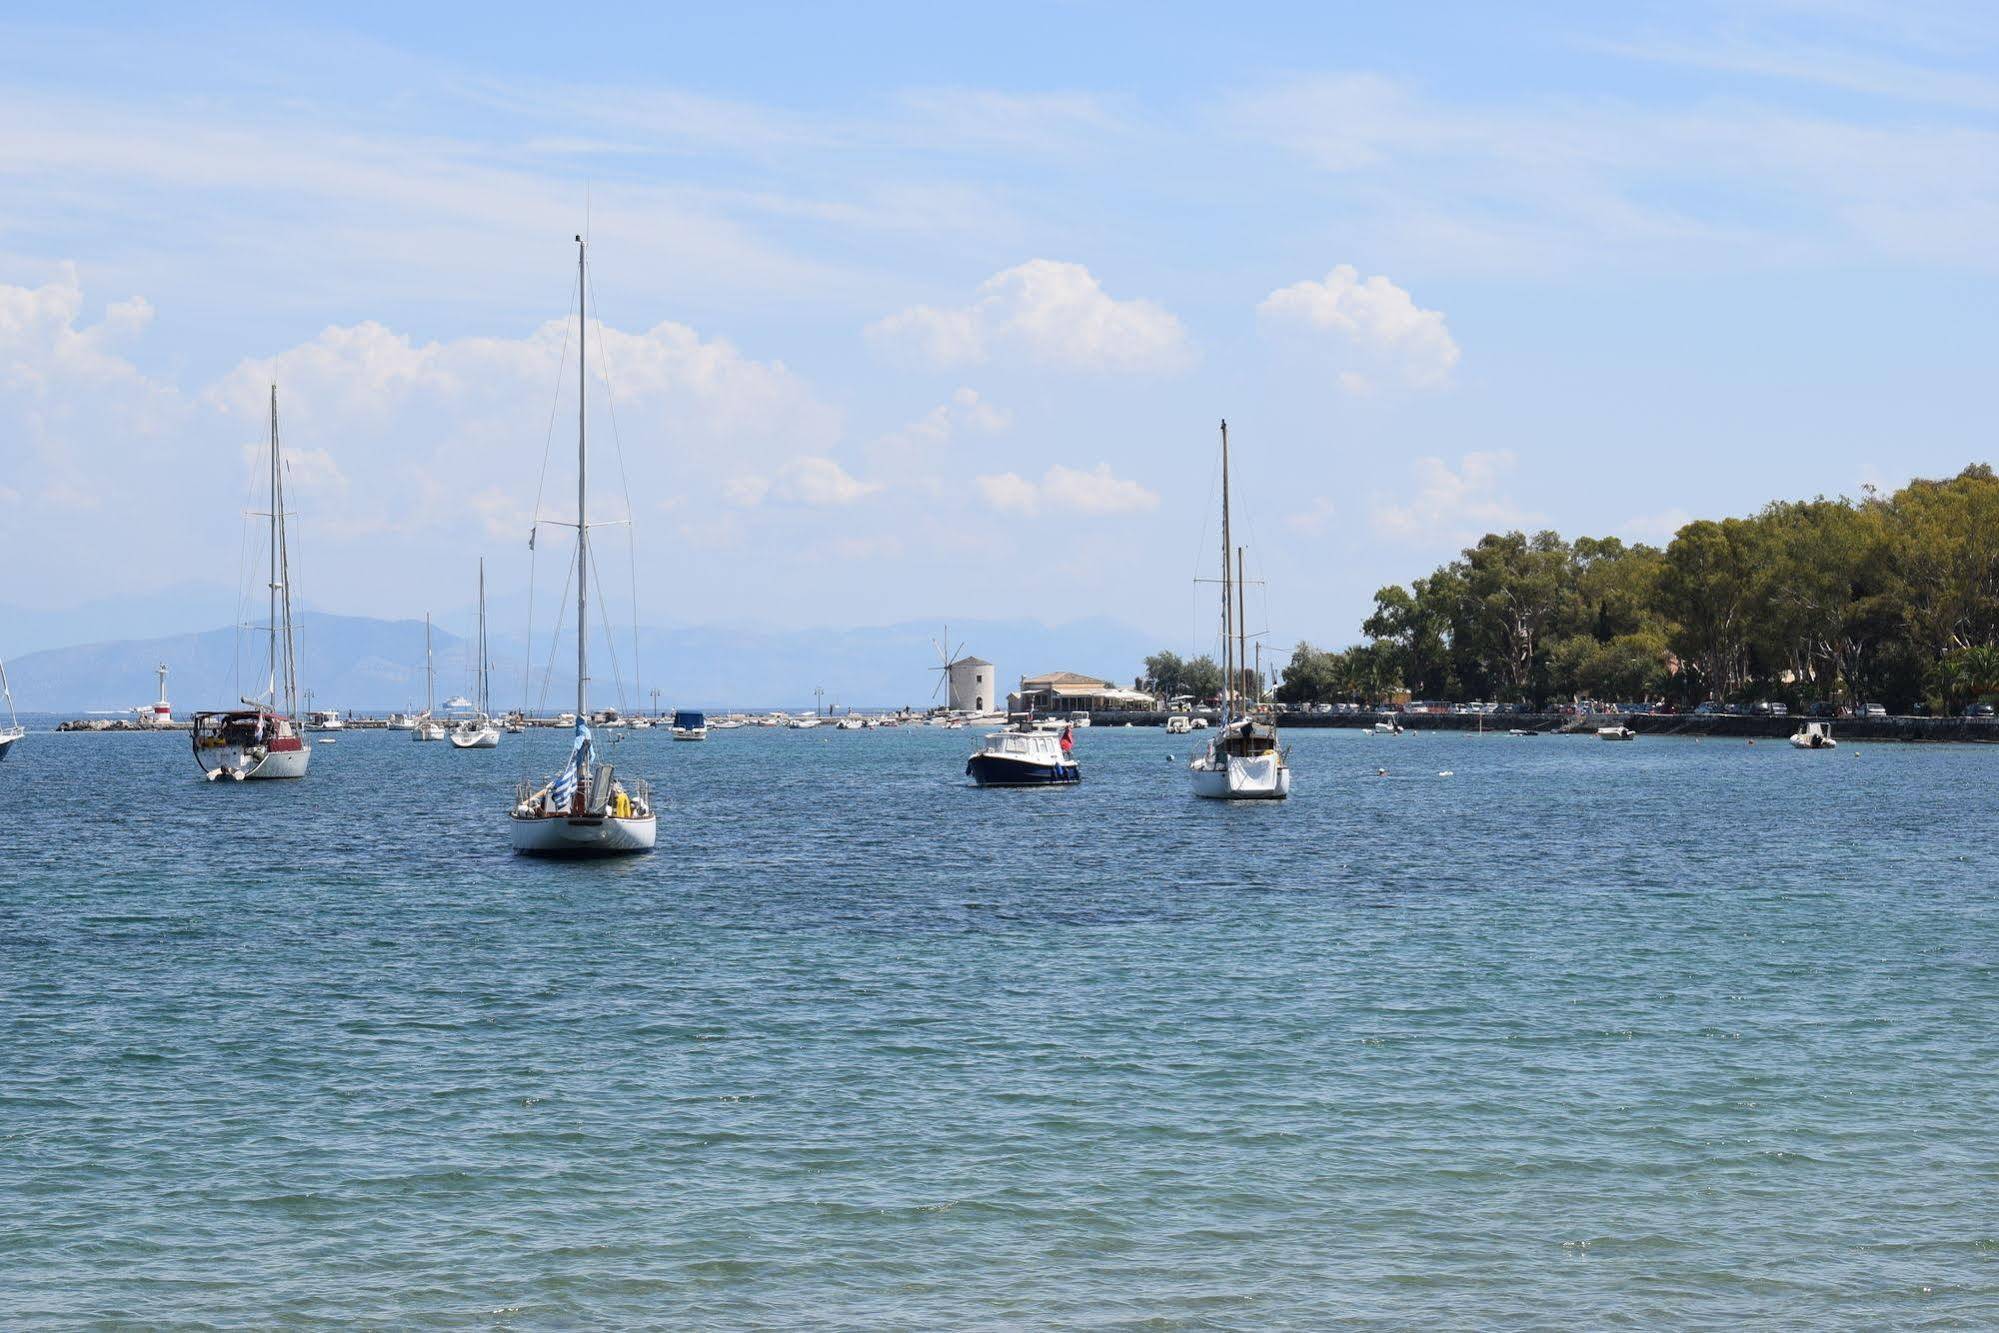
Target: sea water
point(1582, 1035)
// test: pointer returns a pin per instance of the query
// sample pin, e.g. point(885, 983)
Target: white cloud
point(1455, 506)
point(921, 444)
point(819, 482)
point(1312, 520)
point(1375, 319)
point(745, 491)
point(1068, 490)
point(1046, 312)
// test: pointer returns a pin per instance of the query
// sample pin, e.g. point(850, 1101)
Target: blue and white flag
point(579, 764)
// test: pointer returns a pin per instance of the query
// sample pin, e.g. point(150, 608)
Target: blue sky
point(914, 311)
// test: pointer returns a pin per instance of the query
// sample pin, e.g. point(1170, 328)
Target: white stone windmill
point(970, 679)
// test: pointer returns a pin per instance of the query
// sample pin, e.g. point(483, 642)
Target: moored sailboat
point(265, 739)
point(13, 730)
point(584, 810)
point(479, 732)
point(1246, 761)
point(425, 726)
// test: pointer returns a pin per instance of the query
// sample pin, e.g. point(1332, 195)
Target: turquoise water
point(1666, 1033)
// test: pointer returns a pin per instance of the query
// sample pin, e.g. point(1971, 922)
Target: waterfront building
point(1066, 691)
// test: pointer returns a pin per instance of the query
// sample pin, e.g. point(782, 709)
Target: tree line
point(1886, 599)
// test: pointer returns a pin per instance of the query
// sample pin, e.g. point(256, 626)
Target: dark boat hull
point(998, 771)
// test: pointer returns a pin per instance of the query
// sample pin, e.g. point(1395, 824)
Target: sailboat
point(1245, 761)
point(265, 740)
point(478, 732)
point(14, 731)
point(583, 810)
point(427, 727)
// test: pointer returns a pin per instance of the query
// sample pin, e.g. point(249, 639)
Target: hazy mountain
point(360, 663)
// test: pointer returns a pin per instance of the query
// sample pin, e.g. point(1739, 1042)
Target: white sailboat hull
point(427, 731)
point(583, 835)
point(1257, 778)
point(231, 760)
point(7, 739)
point(478, 738)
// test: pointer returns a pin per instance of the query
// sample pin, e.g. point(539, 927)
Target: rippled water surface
point(1584, 1035)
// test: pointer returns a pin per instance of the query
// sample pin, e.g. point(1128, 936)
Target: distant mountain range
point(355, 662)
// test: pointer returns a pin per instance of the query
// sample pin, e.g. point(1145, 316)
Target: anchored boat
point(584, 810)
point(14, 730)
point(1814, 736)
point(1025, 756)
point(1246, 761)
point(479, 732)
point(264, 738)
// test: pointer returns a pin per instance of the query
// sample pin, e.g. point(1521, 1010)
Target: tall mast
point(482, 637)
point(1228, 607)
point(429, 671)
point(273, 581)
point(582, 469)
point(1242, 624)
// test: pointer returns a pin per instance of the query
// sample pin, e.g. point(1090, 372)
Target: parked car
point(1873, 710)
point(1979, 710)
point(1709, 708)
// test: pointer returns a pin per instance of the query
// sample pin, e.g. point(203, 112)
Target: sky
point(933, 311)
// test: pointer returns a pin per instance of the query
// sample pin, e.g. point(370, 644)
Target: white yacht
point(324, 719)
point(13, 731)
point(1247, 761)
point(584, 810)
point(1025, 756)
point(1814, 736)
point(264, 740)
point(1620, 732)
point(1079, 718)
point(479, 732)
point(1179, 724)
point(689, 725)
point(425, 727)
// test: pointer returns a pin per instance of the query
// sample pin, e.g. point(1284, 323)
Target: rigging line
point(611, 643)
point(554, 643)
point(618, 444)
point(534, 514)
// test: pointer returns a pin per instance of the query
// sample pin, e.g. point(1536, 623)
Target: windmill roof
point(971, 661)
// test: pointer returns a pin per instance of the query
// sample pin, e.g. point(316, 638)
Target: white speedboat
point(13, 730)
point(1814, 736)
point(479, 732)
point(1246, 761)
point(1620, 732)
point(324, 719)
point(584, 810)
point(802, 723)
point(851, 723)
point(1079, 718)
point(1024, 756)
point(1179, 725)
point(264, 739)
point(689, 725)
point(1386, 729)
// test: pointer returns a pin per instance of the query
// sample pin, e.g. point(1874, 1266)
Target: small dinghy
point(1619, 732)
point(1814, 736)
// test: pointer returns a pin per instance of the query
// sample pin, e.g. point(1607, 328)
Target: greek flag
point(579, 764)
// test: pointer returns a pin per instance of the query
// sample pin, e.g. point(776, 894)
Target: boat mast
point(1228, 608)
point(272, 582)
point(12, 720)
point(582, 467)
point(1242, 628)
point(482, 638)
point(429, 672)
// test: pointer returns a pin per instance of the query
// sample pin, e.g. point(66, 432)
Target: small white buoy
point(1447, 773)
point(1381, 772)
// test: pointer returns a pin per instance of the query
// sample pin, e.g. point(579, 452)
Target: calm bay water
point(1662, 1033)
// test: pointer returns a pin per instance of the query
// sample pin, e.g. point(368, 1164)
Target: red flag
point(1068, 741)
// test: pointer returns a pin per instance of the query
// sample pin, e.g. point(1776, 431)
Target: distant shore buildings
point(1066, 692)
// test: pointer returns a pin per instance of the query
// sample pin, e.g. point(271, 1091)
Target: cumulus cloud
point(1046, 312)
point(1656, 528)
point(922, 442)
point(1067, 490)
point(1457, 506)
point(1376, 321)
point(819, 482)
point(1312, 520)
